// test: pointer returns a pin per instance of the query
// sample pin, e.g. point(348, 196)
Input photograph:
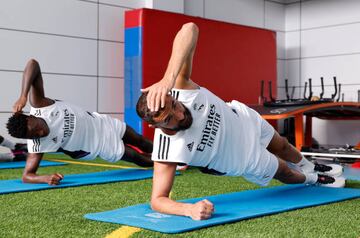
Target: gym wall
point(79, 65)
point(230, 60)
point(79, 44)
point(322, 39)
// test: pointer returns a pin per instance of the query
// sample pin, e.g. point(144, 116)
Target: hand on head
point(19, 104)
point(157, 94)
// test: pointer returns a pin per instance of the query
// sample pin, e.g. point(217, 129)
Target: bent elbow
point(33, 62)
point(190, 26)
point(25, 178)
point(154, 205)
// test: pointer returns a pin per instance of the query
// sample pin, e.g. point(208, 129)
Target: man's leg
point(291, 176)
point(132, 138)
point(283, 149)
point(131, 155)
point(6, 143)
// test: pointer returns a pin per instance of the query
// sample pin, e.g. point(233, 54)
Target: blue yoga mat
point(13, 186)
point(21, 164)
point(352, 174)
point(229, 207)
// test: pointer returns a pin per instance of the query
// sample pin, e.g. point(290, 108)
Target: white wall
point(80, 44)
point(322, 40)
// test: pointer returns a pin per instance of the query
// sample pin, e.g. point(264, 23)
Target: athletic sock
point(310, 178)
point(306, 165)
point(8, 144)
point(294, 166)
point(6, 157)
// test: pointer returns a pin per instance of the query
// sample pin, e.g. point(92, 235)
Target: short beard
point(186, 122)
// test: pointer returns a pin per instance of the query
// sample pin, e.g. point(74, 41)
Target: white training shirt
point(223, 137)
point(85, 135)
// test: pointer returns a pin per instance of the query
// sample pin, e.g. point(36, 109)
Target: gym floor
point(59, 212)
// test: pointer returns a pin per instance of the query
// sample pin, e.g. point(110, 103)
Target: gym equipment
point(21, 164)
point(229, 207)
point(74, 180)
point(346, 152)
point(306, 100)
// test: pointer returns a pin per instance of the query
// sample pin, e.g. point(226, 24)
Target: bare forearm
point(183, 46)
point(168, 206)
point(34, 178)
point(31, 73)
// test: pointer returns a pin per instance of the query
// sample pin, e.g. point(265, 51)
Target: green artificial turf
point(59, 212)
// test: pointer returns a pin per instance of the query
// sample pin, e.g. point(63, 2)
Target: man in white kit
point(195, 127)
point(57, 126)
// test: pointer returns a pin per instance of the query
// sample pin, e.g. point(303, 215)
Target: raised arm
point(32, 82)
point(160, 201)
point(30, 176)
point(179, 68)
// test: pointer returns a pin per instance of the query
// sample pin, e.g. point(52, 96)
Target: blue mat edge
point(53, 163)
point(91, 184)
point(88, 216)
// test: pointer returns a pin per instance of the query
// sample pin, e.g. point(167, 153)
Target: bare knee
point(278, 145)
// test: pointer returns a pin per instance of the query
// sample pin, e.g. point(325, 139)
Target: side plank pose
point(57, 126)
point(195, 127)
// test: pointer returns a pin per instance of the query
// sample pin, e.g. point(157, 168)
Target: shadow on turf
point(352, 184)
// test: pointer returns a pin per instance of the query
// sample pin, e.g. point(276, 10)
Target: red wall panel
point(230, 59)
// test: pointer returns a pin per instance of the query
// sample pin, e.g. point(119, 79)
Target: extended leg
point(290, 176)
point(133, 138)
point(283, 149)
point(131, 155)
point(280, 147)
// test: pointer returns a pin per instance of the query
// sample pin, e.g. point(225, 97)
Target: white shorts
point(267, 164)
point(264, 166)
point(264, 170)
point(113, 147)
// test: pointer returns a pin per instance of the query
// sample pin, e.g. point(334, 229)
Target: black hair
point(17, 125)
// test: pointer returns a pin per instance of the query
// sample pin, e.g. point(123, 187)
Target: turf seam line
point(123, 232)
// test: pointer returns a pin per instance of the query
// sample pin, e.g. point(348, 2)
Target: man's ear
point(152, 126)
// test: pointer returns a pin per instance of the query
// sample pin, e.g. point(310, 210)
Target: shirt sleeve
point(169, 149)
point(41, 146)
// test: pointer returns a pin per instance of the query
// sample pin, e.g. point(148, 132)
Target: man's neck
point(168, 131)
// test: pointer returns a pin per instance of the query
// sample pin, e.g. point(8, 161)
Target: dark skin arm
point(32, 82)
point(30, 176)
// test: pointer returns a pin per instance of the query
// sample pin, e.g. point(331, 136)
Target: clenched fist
point(54, 179)
point(202, 210)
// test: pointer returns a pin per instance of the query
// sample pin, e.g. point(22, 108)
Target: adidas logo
point(190, 146)
point(54, 139)
point(201, 107)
